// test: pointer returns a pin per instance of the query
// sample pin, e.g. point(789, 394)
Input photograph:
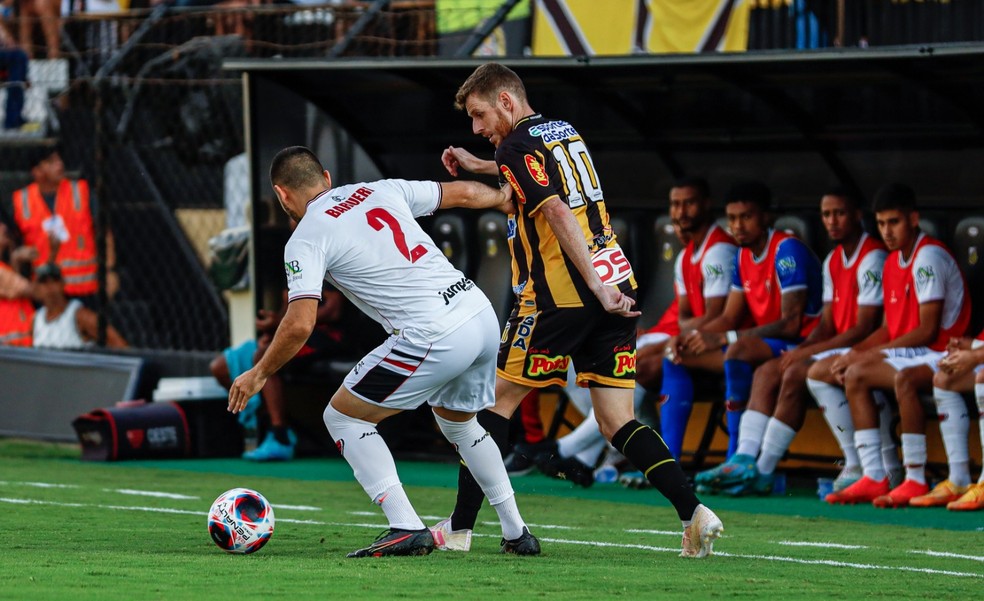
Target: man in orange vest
point(55, 216)
point(16, 309)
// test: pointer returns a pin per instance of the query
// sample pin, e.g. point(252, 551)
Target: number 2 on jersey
point(380, 218)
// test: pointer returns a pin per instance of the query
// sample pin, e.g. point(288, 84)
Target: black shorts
point(537, 347)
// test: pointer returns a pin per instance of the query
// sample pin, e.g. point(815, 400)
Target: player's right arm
point(454, 158)
point(473, 195)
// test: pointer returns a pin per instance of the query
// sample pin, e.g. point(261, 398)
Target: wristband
point(731, 336)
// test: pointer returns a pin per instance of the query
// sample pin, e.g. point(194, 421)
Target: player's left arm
point(292, 333)
point(797, 271)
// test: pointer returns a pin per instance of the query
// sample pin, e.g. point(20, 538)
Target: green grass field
point(136, 530)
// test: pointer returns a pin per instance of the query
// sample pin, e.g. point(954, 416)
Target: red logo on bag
point(136, 438)
point(536, 170)
point(506, 173)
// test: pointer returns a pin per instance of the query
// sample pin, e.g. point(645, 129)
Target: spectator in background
point(64, 323)
point(48, 14)
point(13, 61)
point(340, 333)
point(16, 308)
point(852, 296)
point(56, 216)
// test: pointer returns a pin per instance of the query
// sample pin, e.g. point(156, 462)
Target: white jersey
point(365, 240)
point(60, 333)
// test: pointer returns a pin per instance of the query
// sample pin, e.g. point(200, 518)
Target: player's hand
point(617, 303)
point(455, 158)
point(791, 357)
point(508, 206)
point(958, 362)
point(698, 343)
point(266, 321)
point(673, 349)
point(958, 344)
point(245, 386)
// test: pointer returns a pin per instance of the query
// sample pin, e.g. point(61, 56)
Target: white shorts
point(456, 372)
point(832, 352)
point(901, 358)
point(651, 338)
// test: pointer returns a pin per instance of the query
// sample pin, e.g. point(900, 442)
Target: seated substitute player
point(776, 283)
point(956, 372)
point(574, 292)
point(441, 349)
point(926, 304)
point(852, 297)
point(961, 370)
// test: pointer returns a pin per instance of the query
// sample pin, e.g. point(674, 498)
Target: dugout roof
point(801, 121)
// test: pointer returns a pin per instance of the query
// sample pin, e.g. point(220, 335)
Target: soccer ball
point(240, 521)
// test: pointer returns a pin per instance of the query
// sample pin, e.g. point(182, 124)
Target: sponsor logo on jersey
point(924, 275)
point(460, 286)
point(536, 132)
point(544, 364)
point(293, 270)
point(523, 332)
point(870, 280)
point(786, 265)
point(506, 173)
point(554, 131)
point(357, 198)
point(713, 271)
point(536, 170)
point(625, 363)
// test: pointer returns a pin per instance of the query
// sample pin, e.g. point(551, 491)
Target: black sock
point(647, 451)
point(470, 494)
point(280, 433)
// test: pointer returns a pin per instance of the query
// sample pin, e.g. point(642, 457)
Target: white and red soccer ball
point(240, 521)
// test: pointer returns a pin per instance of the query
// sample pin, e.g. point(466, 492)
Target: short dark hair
point(487, 81)
point(752, 191)
point(42, 153)
point(693, 181)
point(894, 196)
point(296, 167)
point(850, 196)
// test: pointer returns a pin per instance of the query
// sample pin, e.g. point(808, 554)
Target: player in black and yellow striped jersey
point(574, 291)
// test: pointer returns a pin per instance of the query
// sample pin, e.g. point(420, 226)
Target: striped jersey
point(542, 159)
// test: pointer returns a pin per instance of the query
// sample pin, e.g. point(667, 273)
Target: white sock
point(886, 417)
point(483, 459)
point(955, 429)
point(590, 455)
point(869, 452)
point(775, 443)
point(361, 445)
point(585, 435)
point(914, 457)
point(979, 393)
point(750, 432)
point(836, 410)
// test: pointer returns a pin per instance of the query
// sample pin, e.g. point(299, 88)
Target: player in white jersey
point(443, 333)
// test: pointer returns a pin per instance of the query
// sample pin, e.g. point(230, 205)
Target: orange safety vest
point(16, 319)
point(77, 255)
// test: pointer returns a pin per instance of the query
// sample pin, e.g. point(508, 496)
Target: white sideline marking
point(945, 554)
point(846, 564)
point(532, 525)
point(676, 550)
point(150, 493)
point(799, 543)
point(666, 532)
point(296, 507)
point(40, 484)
